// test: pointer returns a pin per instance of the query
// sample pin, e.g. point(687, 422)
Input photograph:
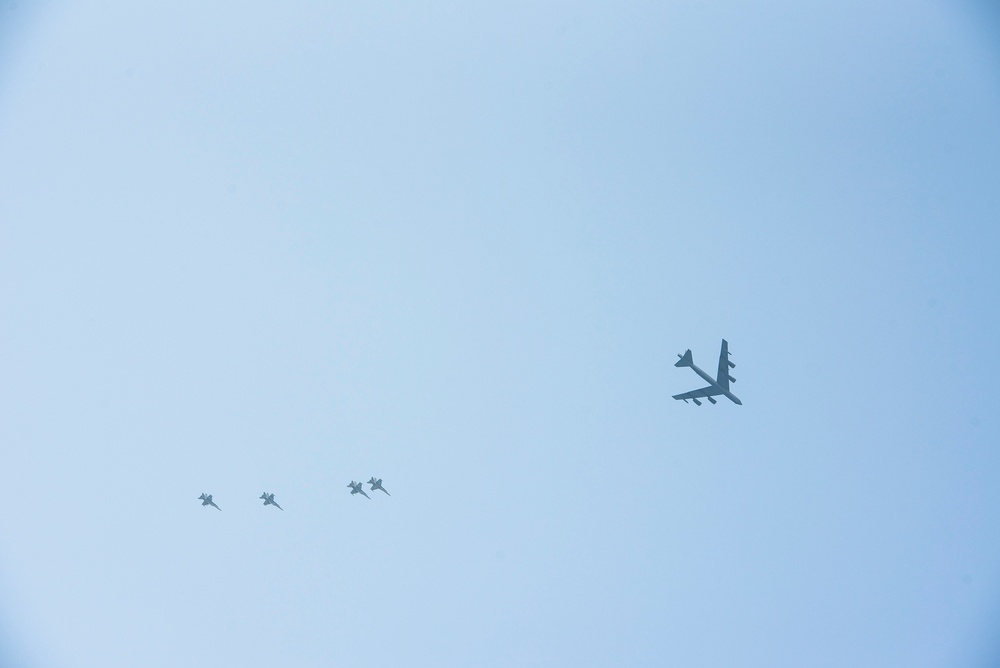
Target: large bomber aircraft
point(718, 385)
point(206, 500)
point(269, 500)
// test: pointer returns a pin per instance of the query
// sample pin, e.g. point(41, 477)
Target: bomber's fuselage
point(711, 381)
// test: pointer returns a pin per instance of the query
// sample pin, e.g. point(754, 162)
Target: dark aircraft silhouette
point(356, 489)
point(377, 484)
point(269, 500)
point(718, 385)
point(206, 500)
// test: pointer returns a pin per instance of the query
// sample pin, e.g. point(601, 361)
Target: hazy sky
point(277, 246)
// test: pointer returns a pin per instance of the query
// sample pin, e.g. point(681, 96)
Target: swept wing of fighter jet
point(269, 500)
point(356, 489)
point(716, 386)
point(377, 484)
point(206, 500)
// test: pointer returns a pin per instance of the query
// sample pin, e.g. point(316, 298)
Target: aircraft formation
point(718, 386)
point(375, 484)
point(356, 488)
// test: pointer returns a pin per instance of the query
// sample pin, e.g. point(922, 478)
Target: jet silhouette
point(377, 484)
point(356, 489)
point(716, 386)
point(206, 500)
point(269, 500)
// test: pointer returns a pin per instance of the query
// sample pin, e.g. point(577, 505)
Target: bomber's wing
point(723, 377)
point(703, 393)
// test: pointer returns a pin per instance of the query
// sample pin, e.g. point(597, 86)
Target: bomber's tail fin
point(685, 359)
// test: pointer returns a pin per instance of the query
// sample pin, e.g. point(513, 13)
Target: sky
point(262, 246)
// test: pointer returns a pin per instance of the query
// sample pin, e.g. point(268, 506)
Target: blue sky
point(249, 247)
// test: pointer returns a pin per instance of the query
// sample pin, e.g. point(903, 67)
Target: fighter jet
point(356, 489)
point(377, 484)
point(717, 386)
point(269, 501)
point(206, 500)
